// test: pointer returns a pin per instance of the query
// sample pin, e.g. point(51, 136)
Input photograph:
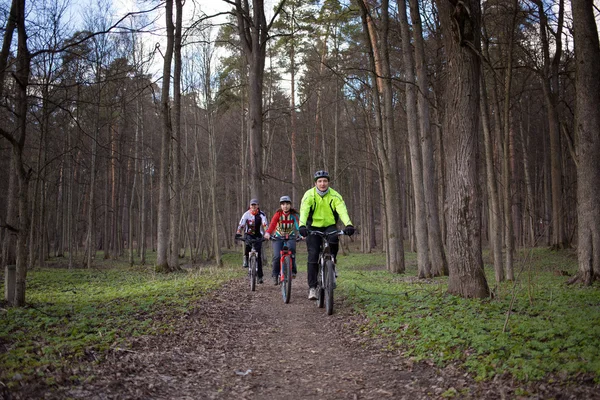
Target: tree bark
point(461, 127)
point(162, 254)
point(550, 86)
point(439, 265)
point(421, 233)
point(174, 231)
point(385, 145)
point(587, 53)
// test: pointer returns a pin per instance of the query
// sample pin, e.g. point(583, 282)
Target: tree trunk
point(385, 145)
point(439, 265)
point(421, 234)
point(509, 239)
point(550, 88)
point(174, 238)
point(162, 260)
point(461, 127)
point(492, 187)
point(587, 53)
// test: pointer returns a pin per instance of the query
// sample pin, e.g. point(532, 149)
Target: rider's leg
point(259, 270)
point(277, 244)
point(334, 241)
point(313, 244)
point(292, 247)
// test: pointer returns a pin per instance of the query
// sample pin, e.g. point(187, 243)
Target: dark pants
point(277, 245)
point(313, 244)
point(258, 247)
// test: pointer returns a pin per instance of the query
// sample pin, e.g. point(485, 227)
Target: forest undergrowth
point(535, 328)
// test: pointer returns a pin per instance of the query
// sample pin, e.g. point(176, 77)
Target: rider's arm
point(274, 222)
point(263, 223)
point(305, 207)
point(242, 225)
point(340, 207)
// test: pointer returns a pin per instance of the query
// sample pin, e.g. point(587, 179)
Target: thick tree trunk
point(587, 53)
point(461, 127)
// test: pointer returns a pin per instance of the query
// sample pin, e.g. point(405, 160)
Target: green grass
point(552, 331)
point(76, 314)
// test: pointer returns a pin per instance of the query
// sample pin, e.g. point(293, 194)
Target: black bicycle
point(252, 261)
point(326, 276)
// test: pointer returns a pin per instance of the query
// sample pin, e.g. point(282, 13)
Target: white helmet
point(285, 199)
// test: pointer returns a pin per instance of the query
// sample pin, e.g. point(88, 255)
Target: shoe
point(312, 294)
point(293, 276)
point(275, 280)
point(260, 280)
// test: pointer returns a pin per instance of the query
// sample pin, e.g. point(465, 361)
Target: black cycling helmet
point(285, 199)
point(321, 174)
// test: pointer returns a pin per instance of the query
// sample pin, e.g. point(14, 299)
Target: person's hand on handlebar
point(349, 230)
point(267, 236)
point(303, 231)
point(238, 236)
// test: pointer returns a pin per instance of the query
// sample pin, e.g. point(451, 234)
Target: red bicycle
point(285, 268)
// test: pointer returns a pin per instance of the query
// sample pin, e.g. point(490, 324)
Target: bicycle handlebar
point(281, 239)
point(250, 240)
point(326, 235)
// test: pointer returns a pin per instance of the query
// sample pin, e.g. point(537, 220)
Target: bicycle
point(285, 268)
point(252, 261)
point(326, 274)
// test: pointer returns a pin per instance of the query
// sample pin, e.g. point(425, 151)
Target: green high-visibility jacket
point(320, 212)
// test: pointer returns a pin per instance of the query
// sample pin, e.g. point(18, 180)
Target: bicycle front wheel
point(329, 277)
point(286, 284)
point(252, 273)
point(320, 288)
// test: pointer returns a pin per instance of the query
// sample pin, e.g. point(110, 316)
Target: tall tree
point(253, 31)
point(17, 141)
point(439, 265)
point(549, 76)
point(587, 53)
point(162, 253)
point(385, 144)
point(414, 144)
point(460, 23)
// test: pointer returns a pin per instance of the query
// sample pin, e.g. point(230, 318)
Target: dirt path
point(239, 344)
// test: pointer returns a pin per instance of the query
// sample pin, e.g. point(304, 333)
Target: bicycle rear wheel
point(329, 282)
point(286, 284)
point(252, 273)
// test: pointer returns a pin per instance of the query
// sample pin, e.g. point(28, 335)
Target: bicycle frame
point(285, 274)
point(326, 277)
point(252, 258)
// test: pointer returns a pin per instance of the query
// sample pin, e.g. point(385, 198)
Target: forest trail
point(238, 344)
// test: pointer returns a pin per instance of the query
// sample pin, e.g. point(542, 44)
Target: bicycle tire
point(286, 284)
point(329, 280)
point(253, 273)
point(320, 289)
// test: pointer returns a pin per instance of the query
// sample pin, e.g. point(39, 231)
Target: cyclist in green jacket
point(320, 209)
